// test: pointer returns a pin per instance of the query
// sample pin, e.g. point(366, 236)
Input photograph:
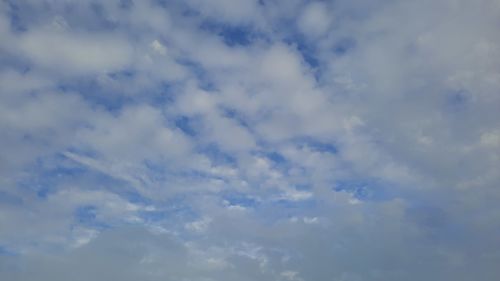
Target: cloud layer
point(249, 140)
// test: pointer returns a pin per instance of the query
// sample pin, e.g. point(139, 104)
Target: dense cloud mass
point(238, 140)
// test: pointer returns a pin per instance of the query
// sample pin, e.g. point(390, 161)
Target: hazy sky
point(249, 140)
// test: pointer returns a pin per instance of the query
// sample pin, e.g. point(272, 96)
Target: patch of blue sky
point(87, 216)
point(135, 197)
point(365, 190)
point(202, 76)
point(240, 199)
point(95, 94)
point(44, 191)
point(47, 174)
point(5, 251)
point(124, 74)
point(113, 99)
point(44, 181)
point(274, 210)
point(16, 22)
point(240, 35)
point(308, 55)
point(101, 21)
point(344, 45)
point(187, 125)
point(156, 169)
point(276, 157)
point(235, 115)
point(317, 145)
point(306, 50)
point(59, 165)
point(457, 100)
point(303, 186)
point(164, 94)
point(217, 155)
point(93, 15)
point(186, 11)
point(9, 63)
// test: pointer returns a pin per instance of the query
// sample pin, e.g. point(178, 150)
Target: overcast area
point(249, 140)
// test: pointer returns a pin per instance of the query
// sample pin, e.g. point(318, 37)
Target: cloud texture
point(249, 140)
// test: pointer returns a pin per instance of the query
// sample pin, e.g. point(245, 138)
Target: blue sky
point(249, 140)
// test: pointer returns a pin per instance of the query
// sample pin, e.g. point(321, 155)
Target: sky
point(245, 140)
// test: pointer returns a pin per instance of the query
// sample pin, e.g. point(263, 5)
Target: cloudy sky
point(249, 140)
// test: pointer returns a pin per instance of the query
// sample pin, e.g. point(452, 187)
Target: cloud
point(249, 140)
point(315, 19)
point(80, 53)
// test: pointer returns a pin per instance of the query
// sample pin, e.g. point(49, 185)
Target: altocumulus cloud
point(250, 140)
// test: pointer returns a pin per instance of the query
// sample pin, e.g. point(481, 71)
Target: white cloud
point(315, 20)
point(78, 53)
point(158, 47)
point(200, 225)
